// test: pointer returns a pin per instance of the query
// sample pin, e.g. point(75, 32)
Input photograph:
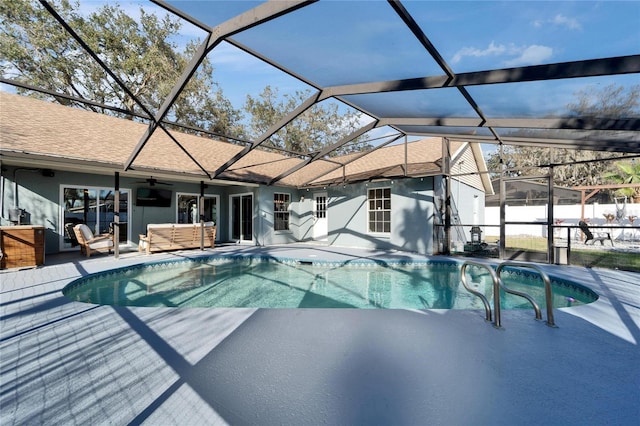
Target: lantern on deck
point(476, 235)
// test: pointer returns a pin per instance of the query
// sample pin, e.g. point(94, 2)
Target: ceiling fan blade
point(153, 182)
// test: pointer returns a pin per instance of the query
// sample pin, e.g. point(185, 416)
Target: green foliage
point(626, 173)
point(38, 51)
point(575, 167)
point(144, 56)
point(310, 131)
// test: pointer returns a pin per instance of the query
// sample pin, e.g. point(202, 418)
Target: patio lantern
point(476, 234)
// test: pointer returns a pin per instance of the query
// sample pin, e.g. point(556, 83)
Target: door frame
point(231, 218)
point(325, 219)
point(98, 189)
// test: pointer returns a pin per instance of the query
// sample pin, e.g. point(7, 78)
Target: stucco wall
point(39, 196)
point(412, 212)
point(467, 206)
point(264, 218)
point(411, 216)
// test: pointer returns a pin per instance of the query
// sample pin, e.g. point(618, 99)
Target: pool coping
point(65, 362)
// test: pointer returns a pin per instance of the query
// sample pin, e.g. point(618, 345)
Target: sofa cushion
point(86, 232)
point(101, 244)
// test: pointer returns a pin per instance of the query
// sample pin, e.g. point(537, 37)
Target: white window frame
point(376, 209)
point(284, 213)
point(98, 189)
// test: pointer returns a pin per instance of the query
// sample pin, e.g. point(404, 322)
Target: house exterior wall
point(39, 196)
point(467, 207)
point(34, 194)
point(411, 216)
point(412, 211)
point(264, 218)
point(467, 165)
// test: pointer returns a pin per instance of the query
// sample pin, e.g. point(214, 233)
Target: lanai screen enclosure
point(407, 68)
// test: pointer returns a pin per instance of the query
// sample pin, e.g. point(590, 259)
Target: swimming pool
point(267, 282)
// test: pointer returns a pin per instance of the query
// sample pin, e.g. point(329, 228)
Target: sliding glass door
point(241, 218)
point(189, 209)
point(94, 207)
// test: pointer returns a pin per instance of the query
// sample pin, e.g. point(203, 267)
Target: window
point(281, 212)
point(379, 210)
point(188, 208)
point(94, 207)
point(321, 207)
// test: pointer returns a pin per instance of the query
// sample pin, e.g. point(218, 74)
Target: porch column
point(446, 165)
point(116, 216)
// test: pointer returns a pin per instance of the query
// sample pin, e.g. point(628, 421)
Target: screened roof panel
point(601, 136)
point(213, 12)
point(342, 42)
point(476, 71)
point(544, 98)
point(474, 36)
point(447, 130)
point(444, 102)
point(240, 74)
point(121, 44)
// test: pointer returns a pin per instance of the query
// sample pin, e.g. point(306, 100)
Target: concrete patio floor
point(65, 362)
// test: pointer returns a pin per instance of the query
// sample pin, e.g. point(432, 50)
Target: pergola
point(404, 76)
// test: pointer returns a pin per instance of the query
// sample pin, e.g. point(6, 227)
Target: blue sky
point(364, 41)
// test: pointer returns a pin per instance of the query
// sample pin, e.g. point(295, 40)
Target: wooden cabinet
point(22, 246)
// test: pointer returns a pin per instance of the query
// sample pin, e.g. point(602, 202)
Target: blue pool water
point(225, 281)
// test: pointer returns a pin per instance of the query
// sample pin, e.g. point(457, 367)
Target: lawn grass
point(606, 259)
point(628, 261)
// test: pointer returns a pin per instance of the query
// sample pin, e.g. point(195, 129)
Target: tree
point(38, 51)
point(626, 173)
point(144, 55)
point(579, 167)
point(322, 124)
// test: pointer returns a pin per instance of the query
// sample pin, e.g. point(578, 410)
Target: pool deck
point(64, 362)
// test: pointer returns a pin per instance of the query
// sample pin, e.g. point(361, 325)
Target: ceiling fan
point(153, 182)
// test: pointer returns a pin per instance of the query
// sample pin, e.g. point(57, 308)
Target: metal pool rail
point(496, 290)
point(497, 284)
point(548, 296)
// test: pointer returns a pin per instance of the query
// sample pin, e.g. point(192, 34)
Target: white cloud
point(515, 55)
point(492, 50)
point(559, 20)
point(571, 23)
point(531, 55)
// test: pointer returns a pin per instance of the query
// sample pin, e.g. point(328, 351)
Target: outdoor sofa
point(176, 236)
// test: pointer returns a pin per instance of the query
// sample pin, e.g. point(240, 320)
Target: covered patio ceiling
point(407, 68)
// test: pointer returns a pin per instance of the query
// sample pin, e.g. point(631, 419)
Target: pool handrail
point(547, 288)
point(496, 290)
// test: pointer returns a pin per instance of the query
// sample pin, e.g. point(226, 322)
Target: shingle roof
point(47, 130)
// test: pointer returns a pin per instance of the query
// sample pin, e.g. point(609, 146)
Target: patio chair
point(602, 236)
point(71, 234)
point(92, 243)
